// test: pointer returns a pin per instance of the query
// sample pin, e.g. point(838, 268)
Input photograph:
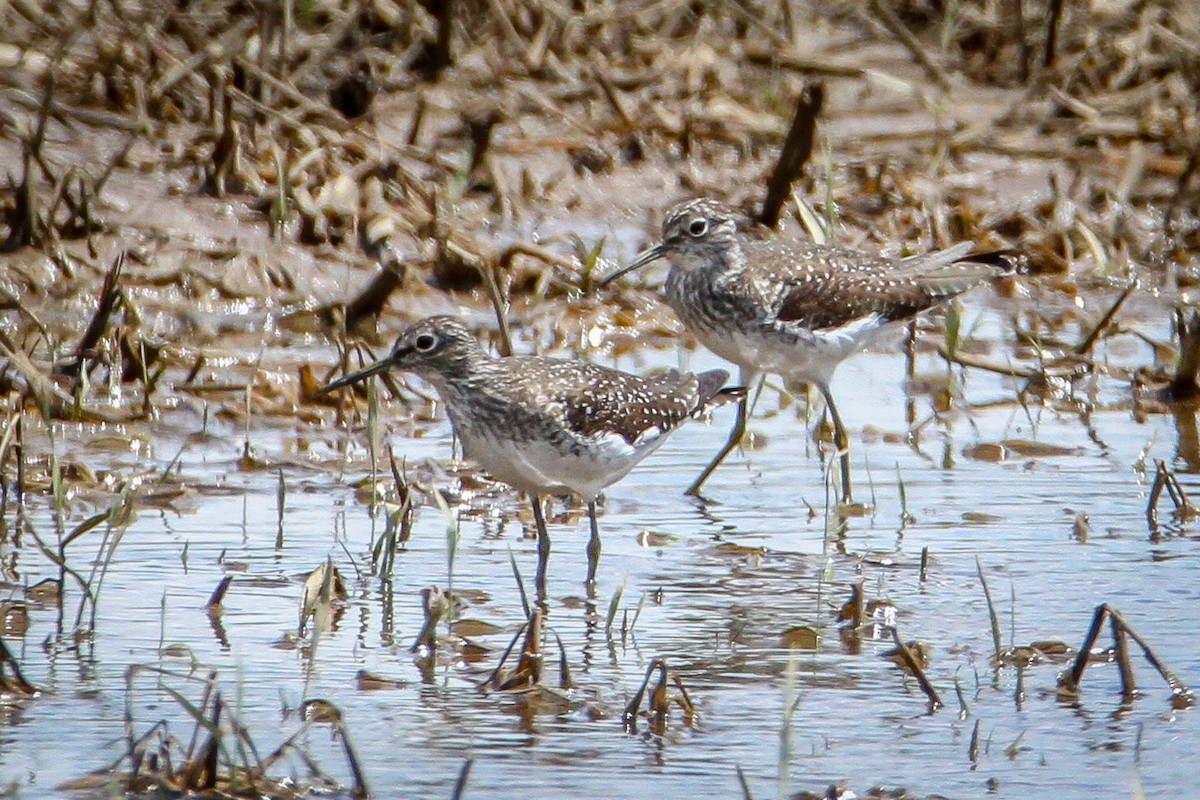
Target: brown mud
point(209, 208)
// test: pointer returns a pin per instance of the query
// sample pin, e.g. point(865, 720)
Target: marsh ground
point(543, 155)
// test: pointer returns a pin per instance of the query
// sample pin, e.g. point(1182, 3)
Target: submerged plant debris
point(209, 209)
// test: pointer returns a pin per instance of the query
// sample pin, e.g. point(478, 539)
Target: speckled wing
point(596, 401)
point(822, 287)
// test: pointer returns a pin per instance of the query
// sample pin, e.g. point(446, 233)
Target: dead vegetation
point(399, 135)
point(1069, 681)
point(659, 700)
point(337, 161)
point(219, 758)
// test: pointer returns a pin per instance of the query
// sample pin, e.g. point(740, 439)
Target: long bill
point(355, 377)
point(643, 258)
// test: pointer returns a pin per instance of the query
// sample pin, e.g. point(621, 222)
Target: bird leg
point(593, 548)
point(543, 549)
point(841, 442)
point(735, 436)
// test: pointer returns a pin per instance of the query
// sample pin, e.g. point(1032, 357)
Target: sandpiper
point(545, 425)
point(793, 308)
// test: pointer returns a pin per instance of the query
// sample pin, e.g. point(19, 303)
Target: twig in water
point(854, 609)
point(110, 299)
point(1183, 385)
point(998, 649)
point(1085, 345)
point(973, 745)
point(1121, 653)
point(16, 682)
point(280, 506)
point(460, 785)
point(1165, 479)
point(1068, 681)
point(629, 716)
point(564, 667)
point(612, 609)
point(964, 710)
point(913, 665)
point(745, 786)
point(218, 595)
point(530, 665)
point(360, 790)
point(520, 582)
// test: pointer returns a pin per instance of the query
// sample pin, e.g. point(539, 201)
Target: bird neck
point(718, 266)
point(463, 372)
point(721, 259)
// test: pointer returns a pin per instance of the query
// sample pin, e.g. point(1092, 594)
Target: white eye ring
point(697, 227)
point(425, 342)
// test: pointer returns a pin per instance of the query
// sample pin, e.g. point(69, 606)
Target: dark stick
point(372, 299)
point(629, 716)
point(897, 28)
point(914, 666)
point(1177, 686)
point(1160, 481)
point(218, 595)
point(414, 130)
point(1085, 345)
point(439, 56)
point(1018, 10)
point(360, 790)
point(1070, 680)
point(18, 681)
point(1121, 646)
point(480, 127)
point(1183, 385)
point(19, 452)
point(212, 751)
point(110, 294)
point(1053, 17)
point(460, 785)
point(797, 148)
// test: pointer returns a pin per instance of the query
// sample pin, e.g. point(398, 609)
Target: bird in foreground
point(796, 309)
point(545, 425)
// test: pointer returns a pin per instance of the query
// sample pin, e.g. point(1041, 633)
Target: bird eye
point(698, 227)
point(425, 342)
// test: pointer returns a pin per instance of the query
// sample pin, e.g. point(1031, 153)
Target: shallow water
point(714, 612)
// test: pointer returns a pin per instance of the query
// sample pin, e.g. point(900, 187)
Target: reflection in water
point(386, 601)
point(1187, 442)
point(218, 629)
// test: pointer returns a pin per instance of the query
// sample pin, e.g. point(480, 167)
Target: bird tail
point(713, 392)
point(948, 272)
point(1007, 261)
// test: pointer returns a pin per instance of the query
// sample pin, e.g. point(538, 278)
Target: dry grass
point(195, 187)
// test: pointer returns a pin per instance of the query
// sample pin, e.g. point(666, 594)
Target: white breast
point(795, 352)
point(537, 467)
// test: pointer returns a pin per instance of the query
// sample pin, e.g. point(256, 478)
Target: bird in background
point(548, 426)
point(796, 309)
